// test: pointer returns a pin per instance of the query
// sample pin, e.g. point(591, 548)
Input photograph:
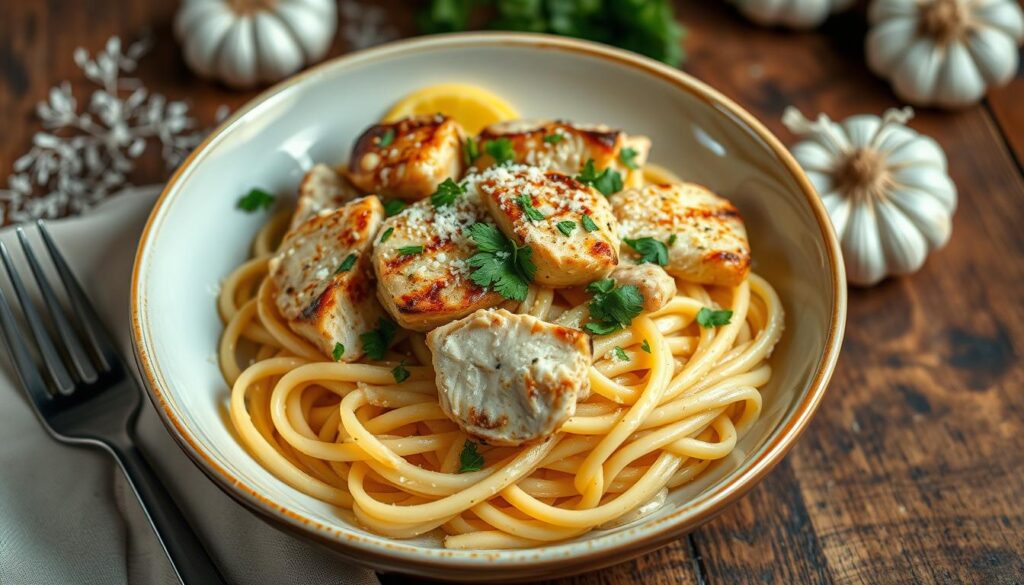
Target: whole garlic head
point(884, 185)
point(799, 14)
point(247, 42)
point(944, 53)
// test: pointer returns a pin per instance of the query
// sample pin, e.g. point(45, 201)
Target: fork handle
point(189, 559)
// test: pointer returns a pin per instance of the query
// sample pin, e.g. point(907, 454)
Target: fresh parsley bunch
point(500, 263)
point(645, 26)
point(612, 307)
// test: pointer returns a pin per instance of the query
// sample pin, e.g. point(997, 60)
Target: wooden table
point(913, 469)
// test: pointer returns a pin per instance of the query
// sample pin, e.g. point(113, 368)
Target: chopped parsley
point(500, 263)
point(531, 212)
point(713, 318)
point(255, 200)
point(410, 250)
point(446, 194)
point(628, 157)
point(470, 151)
point(386, 138)
point(672, 239)
point(469, 459)
point(500, 150)
point(588, 224)
point(376, 342)
point(607, 181)
point(554, 138)
point(612, 307)
point(567, 227)
point(621, 354)
point(650, 250)
point(400, 373)
point(387, 234)
point(346, 264)
point(339, 350)
point(646, 346)
point(393, 207)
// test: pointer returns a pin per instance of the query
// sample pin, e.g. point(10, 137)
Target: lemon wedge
point(471, 106)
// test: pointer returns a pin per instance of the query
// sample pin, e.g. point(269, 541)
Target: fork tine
point(79, 357)
point(92, 326)
point(24, 365)
point(54, 364)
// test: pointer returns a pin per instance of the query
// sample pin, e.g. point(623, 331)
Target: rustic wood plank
point(1007, 106)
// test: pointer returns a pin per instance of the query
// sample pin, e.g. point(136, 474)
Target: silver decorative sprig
point(81, 157)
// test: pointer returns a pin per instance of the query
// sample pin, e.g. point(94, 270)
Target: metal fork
point(85, 395)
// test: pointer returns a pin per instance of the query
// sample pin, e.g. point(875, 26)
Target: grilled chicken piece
point(325, 296)
point(529, 204)
point(565, 147)
point(654, 283)
point(710, 244)
point(407, 159)
point(321, 189)
point(424, 289)
point(509, 379)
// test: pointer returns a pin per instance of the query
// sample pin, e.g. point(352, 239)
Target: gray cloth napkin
point(66, 513)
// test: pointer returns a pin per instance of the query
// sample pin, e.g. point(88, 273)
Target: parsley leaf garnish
point(645, 346)
point(446, 194)
point(566, 227)
point(470, 151)
point(612, 307)
point(339, 350)
point(531, 212)
point(621, 354)
point(400, 373)
point(393, 207)
point(500, 150)
point(376, 342)
point(588, 224)
point(387, 234)
point(607, 181)
point(713, 318)
point(500, 263)
point(255, 200)
point(387, 138)
point(553, 138)
point(469, 459)
point(650, 250)
point(410, 250)
point(346, 264)
point(628, 157)
point(672, 239)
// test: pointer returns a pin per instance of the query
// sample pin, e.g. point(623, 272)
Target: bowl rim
point(607, 549)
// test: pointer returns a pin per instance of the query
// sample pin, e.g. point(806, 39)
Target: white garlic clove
point(1004, 16)
point(838, 207)
point(813, 156)
point(959, 83)
point(993, 53)
point(904, 247)
point(236, 62)
point(927, 214)
point(917, 150)
point(278, 56)
point(915, 78)
point(206, 39)
point(936, 184)
point(300, 19)
point(888, 42)
point(862, 249)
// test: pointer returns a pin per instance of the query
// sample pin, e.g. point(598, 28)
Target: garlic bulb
point(791, 13)
point(884, 185)
point(246, 42)
point(944, 53)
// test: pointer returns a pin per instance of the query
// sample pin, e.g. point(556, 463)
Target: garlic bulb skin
point(885, 187)
point(797, 14)
point(249, 42)
point(944, 53)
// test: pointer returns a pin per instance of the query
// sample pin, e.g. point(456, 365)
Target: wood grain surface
point(913, 469)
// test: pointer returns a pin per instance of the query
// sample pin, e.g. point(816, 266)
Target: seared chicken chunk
point(321, 189)
point(407, 159)
point(568, 225)
point(323, 278)
point(420, 260)
point(706, 240)
point(565, 147)
point(656, 286)
point(509, 379)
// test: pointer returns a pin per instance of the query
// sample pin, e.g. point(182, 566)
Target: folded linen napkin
point(67, 514)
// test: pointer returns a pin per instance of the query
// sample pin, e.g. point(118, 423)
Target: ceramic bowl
point(195, 237)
